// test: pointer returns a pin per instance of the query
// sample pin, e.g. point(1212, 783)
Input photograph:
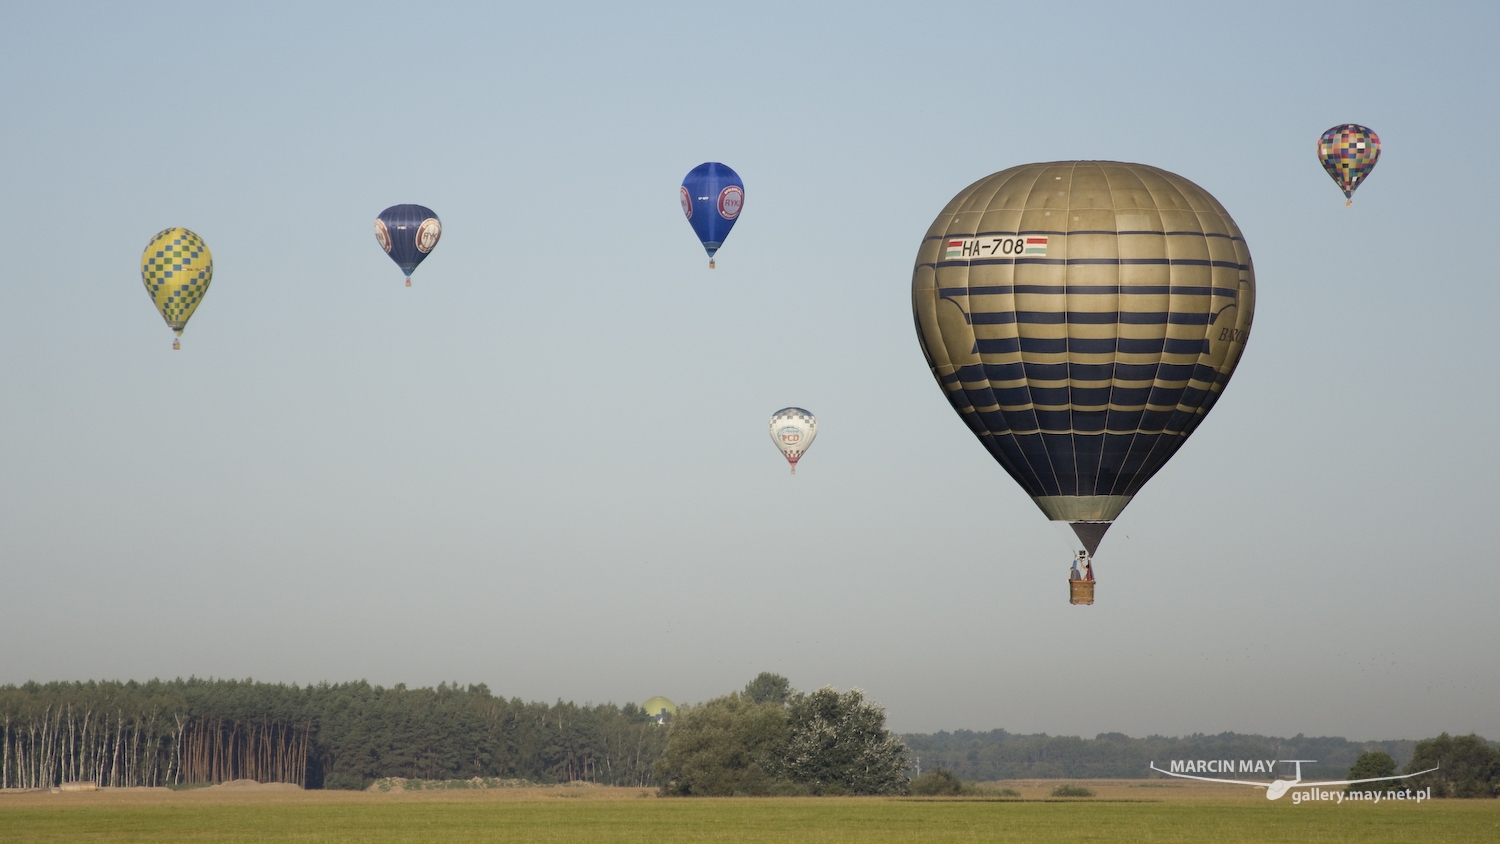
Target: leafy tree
point(1371, 764)
point(768, 688)
point(937, 782)
point(838, 744)
point(1467, 766)
point(730, 745)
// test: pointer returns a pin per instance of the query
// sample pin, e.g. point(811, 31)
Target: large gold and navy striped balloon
point(1083, 317)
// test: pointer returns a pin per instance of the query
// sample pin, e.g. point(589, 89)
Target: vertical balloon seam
point(1065, 313)
point(1178, 423)
point(1097, 465)
point(995, 442)
point(1109, 395)
point(1168, 440)
point(1067, 304)
point(1175, 420)
point(1125, 472)
point(1058, 475)
point(1195, 412)
point(959, 396)
point(1206, 359)
point(1067, 310)
point(1031, 422)
point(1244, 315)
point(1164, 445)
point(1015, 308)
point(1120, 301)
point(1135, 440)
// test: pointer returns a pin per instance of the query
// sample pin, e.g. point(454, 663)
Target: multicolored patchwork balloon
point(177, 269)
point(1349, 152)
point(408, 233)
point(793, 430)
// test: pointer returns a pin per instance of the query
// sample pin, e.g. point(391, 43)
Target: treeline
point(999, 755)
point(347, 735)
point(325, 736)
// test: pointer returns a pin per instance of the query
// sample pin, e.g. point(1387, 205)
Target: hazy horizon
point(544, 467)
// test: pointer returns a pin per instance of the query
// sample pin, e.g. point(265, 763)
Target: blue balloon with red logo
point(408, 233)
point(712, 197)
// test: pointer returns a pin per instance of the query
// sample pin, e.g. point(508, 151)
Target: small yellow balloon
point(177, 268)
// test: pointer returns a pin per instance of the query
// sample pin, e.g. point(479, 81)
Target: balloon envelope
point(712, 197)
point(408, 233)
point(1349, 152)
point(177, 269)
point(793, 430)
point(660, 709)
point(1082, 317)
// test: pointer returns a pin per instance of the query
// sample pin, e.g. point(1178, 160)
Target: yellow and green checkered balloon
point(177, 268)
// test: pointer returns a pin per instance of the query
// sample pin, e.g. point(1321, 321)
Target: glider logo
point(687, 204)
point(731, 200)
point(1008, 246)
point(428, 234)
point(789, 436)
point(382, 236)
point(1187, 768)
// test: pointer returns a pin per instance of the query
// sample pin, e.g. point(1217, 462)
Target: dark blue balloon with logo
point(408, 233)
point(712, 197)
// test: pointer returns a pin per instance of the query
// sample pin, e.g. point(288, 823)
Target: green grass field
point(1120, 813)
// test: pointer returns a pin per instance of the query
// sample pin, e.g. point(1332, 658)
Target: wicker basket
point(1081, 591)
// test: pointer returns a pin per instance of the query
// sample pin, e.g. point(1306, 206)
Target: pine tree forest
point(184, 732)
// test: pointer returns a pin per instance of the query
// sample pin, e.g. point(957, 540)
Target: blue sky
point(545, 465)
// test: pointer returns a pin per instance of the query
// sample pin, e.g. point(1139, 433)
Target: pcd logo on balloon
point(687, 203)
point(731, 200)
point(382, 236)
point(789, 436)
point(428, 234)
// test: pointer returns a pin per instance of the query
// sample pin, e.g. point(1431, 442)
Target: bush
point(727, 746)
point(1467, 767)
point(937, 782)
point(1369, 765)
point(345, 782)
point(772, 740)
point(838, 743)
point(1068, 789)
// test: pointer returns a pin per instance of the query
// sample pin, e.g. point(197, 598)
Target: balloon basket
point(710, 263)
point(1348, 202)
point(1081, 592)
point(177, 345)
point(408, 282)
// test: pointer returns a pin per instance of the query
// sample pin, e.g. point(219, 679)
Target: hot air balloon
point(1349, 152)
point(408, 233)
point(1083, 317)
point(660, 710)
point(793, 430)
point(712, 197)
point(177, 269)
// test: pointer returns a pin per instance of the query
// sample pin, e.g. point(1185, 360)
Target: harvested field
point(1121, 811)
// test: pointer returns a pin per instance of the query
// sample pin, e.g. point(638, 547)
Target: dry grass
point(1151, 811)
